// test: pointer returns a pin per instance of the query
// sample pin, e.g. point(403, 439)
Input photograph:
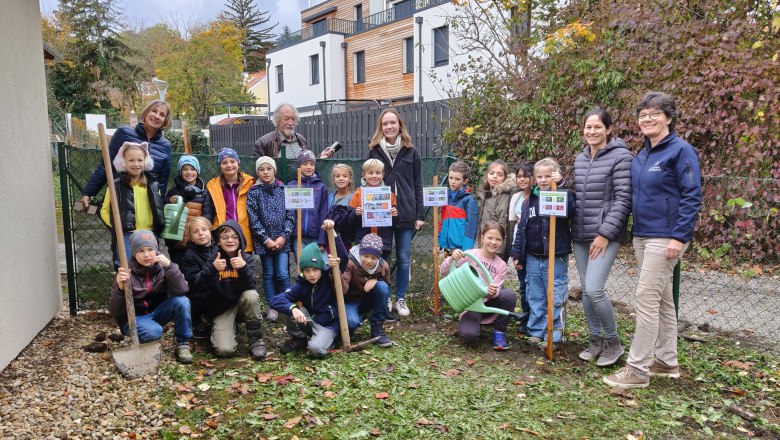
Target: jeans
point(521, 278)
point(115, 248)
point(321, 339)
point(536, 268)
point(656, 319)
point(150, 326)
point(593, 276)
point(403, 253)
point(375, 300)
point(470, 322)
point(223, 330)
point(276, 273)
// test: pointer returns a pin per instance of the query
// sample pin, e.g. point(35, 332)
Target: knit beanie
point(119, 159)
point(263, 160)
point(140, 239)
point(227, 152)
point(306, 156)
point(371, 244)
point(188, 160)
point(311, 256)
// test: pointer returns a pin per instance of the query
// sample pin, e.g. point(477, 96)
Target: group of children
point(209, 284)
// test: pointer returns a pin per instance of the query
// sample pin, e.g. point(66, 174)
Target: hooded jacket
point(214, 207)
point(150, 286)
point(494, 206)
point(268, 218)
point(533, 233)
point(405, 178)
point(125, 199)
point(214, 291)
point(459, 220)
point(354, 278)
point(194, 196)
point(312, 218)
point(666, 189)
point(159, 150)
point(603, 188)
point(318, 298)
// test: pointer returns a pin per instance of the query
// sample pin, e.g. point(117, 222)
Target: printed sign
point(377, 206)
point(553, 203)
point(435, 196)
point(298, 198)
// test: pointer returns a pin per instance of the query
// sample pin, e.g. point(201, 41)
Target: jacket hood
point(459, 194)
point(180, 183)
point(232, 224)
point(267, 186)
point(354, 255)
point(508, 186)
point(314, 178)
point(613, 144)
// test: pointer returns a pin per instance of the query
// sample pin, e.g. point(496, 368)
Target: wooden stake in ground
point(138, 360)
point(298, 225)
point(436, 254)
point(186, 137)
point(551, 283)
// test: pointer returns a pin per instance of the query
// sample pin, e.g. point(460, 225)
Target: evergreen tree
point(245, 15)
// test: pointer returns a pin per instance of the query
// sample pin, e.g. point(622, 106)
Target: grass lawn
point(430, 386)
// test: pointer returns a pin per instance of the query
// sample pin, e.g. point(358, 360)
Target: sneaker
point(611, 352)
point(403, 310)
point(626, 377)
point(293, 344)
point(659, 369)
point(272, 315)
point(183, 354)
point(593, 350)
point(384, 340)
point(499, 341)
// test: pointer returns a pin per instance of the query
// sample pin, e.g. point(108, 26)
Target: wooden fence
point(353, 130)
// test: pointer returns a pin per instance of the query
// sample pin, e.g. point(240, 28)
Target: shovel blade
point(138, 360)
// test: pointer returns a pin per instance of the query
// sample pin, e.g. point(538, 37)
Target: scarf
point(391, 150)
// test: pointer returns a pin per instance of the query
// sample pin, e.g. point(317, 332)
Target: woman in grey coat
point(602, 180)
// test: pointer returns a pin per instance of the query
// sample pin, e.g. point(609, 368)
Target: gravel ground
point(56, 390)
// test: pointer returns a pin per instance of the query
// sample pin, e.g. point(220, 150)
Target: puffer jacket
point(494, 206)
point(267, 217)
point(603, 188)
point(193, 265)
point(406, 180)
point(215, 209)
point(159, 150)
point(312, 218)
point(194, 195)
point(125, 199)
point(150, 286)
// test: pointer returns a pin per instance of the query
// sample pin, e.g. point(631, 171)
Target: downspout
point(419, 21)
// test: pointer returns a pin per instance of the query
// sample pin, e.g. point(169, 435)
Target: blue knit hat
point(188, 160)
point(227, 152)
point(311, 256)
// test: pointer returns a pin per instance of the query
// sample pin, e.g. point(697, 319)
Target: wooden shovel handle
point(120, 236)
point(339, 294)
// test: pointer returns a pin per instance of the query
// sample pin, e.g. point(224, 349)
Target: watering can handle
point(480, 265)
point(179, 211)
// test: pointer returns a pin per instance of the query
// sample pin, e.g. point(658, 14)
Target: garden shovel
point(138, 359)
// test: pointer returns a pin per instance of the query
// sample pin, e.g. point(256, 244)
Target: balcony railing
point(399, 11)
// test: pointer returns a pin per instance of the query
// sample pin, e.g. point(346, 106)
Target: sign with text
point(553, 203)
point(298, 198)
point(435, 196)
point(377, 206)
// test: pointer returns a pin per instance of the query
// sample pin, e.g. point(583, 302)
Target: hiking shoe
point(593, 350)
point(499, 341)
point(384, 340)
point(625, 378)
point(257, 350)
point(403, 310)
point(272, 315)
point(183, 354)
point(610, 353)
point(660, 369)
point(293, 344)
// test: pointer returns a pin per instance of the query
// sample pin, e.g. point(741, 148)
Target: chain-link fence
point(729, 276)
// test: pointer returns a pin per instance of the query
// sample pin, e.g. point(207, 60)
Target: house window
point(314, 69)
point(280, 78)
point(441, 46)
point(360, 67)
point(409, 55)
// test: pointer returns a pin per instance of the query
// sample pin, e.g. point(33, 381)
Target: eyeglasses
point(652, 116)
point(228, 237)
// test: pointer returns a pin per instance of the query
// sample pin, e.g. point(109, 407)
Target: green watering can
point(464, 289)
point(175, 219)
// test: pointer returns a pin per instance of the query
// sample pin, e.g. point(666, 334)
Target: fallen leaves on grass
point(566, 415)
point(270, 416)
point(452, 372)
point(617, 391)
point(264, 377)
point(382, 395)
point(240, 388)
point(329, 394)
point(413, 385)
point(325, 383)
point(292, 422)
point(470, 362)
point(422, 421)
point(285, 379)
point(185, 430)
point(212, 423)
point(529, 431)
point(387, 368)
point(204, 387)
point(636, 435)
point(375, 432)
point(740, 365)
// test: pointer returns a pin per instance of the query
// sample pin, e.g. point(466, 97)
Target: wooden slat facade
point(345, 9)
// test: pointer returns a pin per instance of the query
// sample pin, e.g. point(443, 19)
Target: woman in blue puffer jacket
point(155, 117)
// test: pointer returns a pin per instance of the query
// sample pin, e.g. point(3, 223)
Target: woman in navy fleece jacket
point(666, 190)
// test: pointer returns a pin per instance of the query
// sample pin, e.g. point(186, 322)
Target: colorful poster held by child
point(298, 198)
point(377, 206)
point(553, 203)
point(435, 196)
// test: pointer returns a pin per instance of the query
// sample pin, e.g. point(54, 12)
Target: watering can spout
point(175, 219)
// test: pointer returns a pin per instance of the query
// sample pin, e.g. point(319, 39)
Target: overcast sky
point(149, 12)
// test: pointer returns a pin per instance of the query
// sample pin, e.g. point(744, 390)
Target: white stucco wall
point(30, 292)
point(297, 87)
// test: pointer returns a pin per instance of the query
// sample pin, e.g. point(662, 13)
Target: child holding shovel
point(317, 317)
point(491, 239)
point(159, 295)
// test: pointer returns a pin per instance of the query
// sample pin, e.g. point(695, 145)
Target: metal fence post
point(67, 227)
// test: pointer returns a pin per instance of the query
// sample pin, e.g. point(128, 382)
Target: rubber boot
point(254, 335)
